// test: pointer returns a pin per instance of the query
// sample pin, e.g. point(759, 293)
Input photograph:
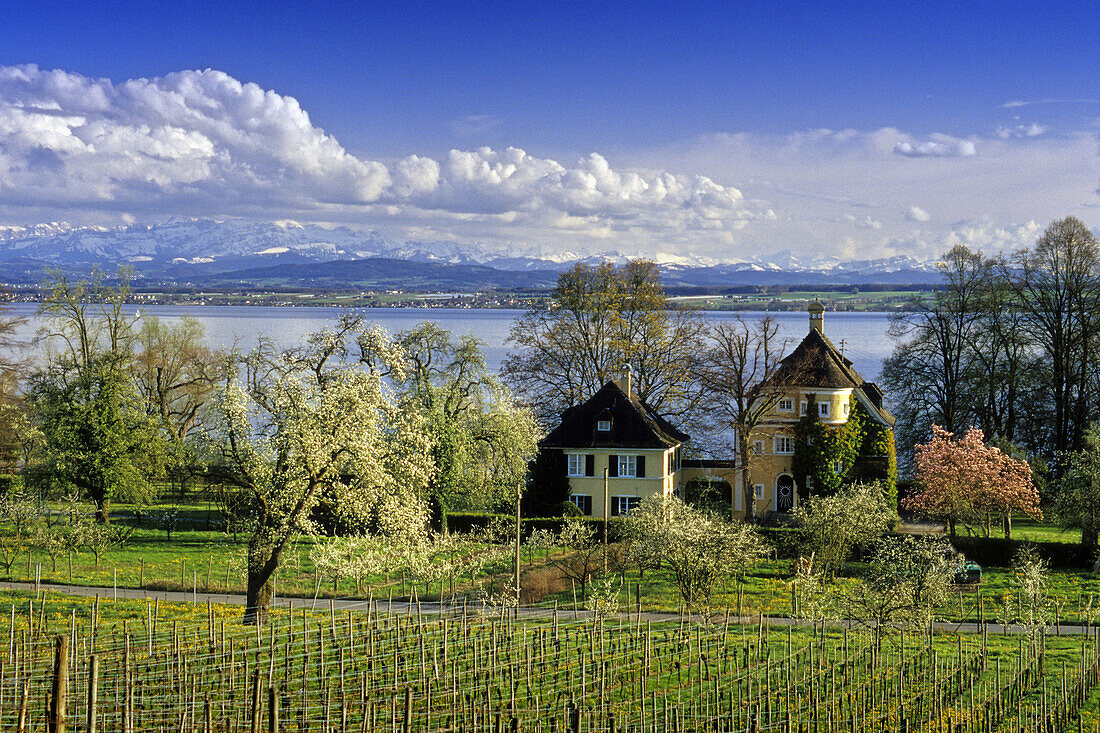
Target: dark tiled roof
point(634, 424)
point(817, 363)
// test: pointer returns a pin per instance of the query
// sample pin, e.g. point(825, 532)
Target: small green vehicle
point(969, 574)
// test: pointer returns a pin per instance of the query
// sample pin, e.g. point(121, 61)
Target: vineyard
point(141, 666)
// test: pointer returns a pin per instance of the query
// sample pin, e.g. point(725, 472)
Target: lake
point(862, 336)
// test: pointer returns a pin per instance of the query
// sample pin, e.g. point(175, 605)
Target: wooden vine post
point(93, 692)
point(59, 691)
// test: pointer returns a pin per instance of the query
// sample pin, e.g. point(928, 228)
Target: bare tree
point(176, 376)
point(87, 322)
point(176, 373)
point(929, 373)
point(1058, 287)
point(742, 376)
point(598, 319)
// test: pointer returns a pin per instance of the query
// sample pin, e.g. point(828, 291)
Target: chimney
point(817, 317)
point(627, 380)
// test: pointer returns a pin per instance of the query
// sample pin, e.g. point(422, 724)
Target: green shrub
point(10, 483)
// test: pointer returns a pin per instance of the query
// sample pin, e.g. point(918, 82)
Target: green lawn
point(213, 561)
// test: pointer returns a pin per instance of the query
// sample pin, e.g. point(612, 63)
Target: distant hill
point(308, 255)
point(383, 273)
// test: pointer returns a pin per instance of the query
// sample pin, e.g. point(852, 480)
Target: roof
point(816, 362)
point(634, 424)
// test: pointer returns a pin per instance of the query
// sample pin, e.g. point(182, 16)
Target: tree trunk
point(103, 511)
point(263, 561)
point(1088, 536)
point(951, 527)
point(1008, 526)
point(258, 596)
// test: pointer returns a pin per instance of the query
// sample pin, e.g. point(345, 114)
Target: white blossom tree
point(907, 579)
point(404, 545)
point(698, 548)
point(316, 422)
point(832, 525)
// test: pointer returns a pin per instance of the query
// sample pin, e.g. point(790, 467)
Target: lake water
point(862, 336)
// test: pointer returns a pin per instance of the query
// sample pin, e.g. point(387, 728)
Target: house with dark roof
point(616, 446)
point(827, 398)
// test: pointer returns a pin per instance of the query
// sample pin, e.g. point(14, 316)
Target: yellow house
point(616, 446)
point(828, 399)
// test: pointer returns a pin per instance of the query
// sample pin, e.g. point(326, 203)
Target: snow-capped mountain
point(180, 242)
point(185, 249)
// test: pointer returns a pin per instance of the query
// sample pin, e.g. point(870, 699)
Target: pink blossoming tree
point(964, 480)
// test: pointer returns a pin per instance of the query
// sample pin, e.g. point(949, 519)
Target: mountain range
point(243, 253)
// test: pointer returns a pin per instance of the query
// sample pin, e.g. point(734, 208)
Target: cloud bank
point(989, 191)
point(201, 143)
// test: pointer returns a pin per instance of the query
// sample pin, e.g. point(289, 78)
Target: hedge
point(998, 552)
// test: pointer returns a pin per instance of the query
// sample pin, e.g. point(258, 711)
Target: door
point(784, 493)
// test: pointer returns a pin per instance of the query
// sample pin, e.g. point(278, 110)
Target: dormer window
point(603, 425)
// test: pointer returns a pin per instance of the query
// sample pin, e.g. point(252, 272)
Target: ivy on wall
point(832, 456)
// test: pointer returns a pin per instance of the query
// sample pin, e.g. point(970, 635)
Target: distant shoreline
point(873, 302)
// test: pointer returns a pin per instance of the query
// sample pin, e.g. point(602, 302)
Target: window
point(759, 489)
point(786, 405)
point(784, 444)
point(823, 409)
point(809, 483)
point(603, 425)
point(582, 502)
point(628, 466)
point(846, 409)
point(838, 467)
point(623, 505)
point(576, 464)
point(802, 408)
point(758, 447)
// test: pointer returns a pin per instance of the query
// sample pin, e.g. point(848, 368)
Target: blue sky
point(840, 129)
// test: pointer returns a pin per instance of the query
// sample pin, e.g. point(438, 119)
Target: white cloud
point(1033, 129)
point(201, 142)
point(825, 184)
point(1015, 103)
point(936, 146)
